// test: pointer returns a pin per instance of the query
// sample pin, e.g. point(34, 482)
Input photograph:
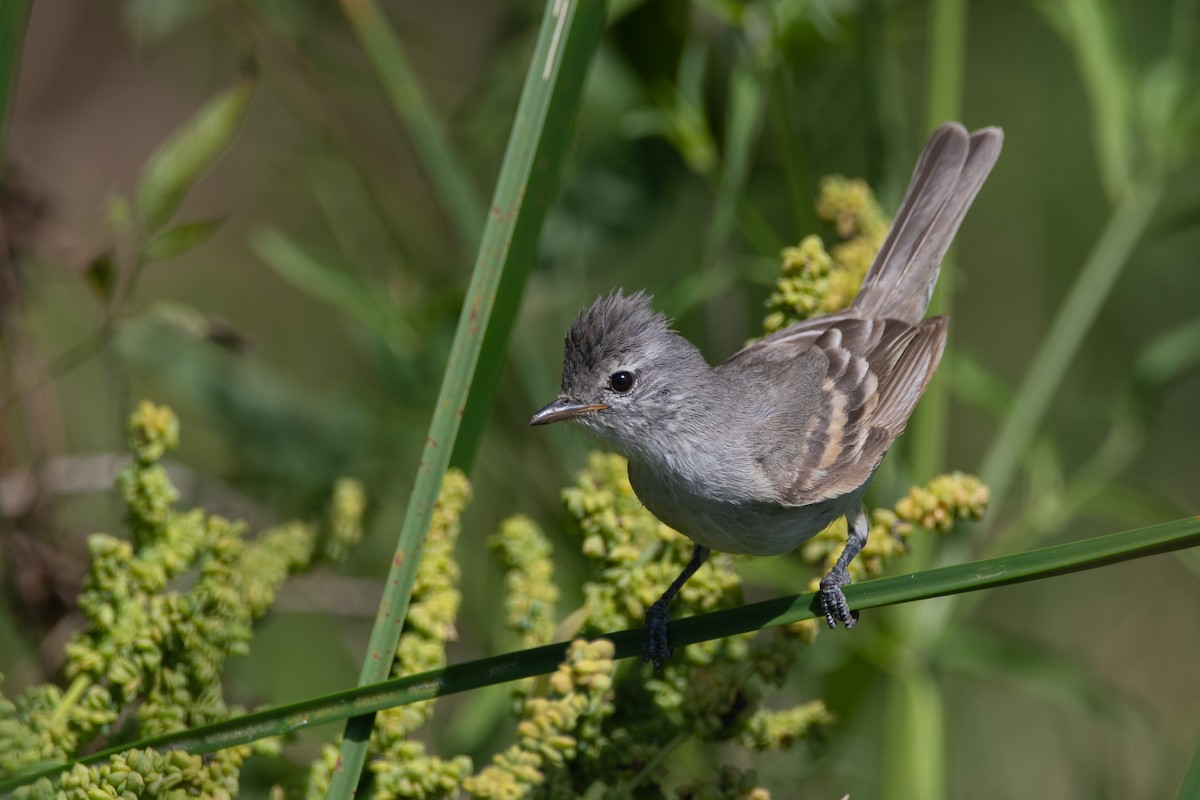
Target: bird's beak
point(564, 409)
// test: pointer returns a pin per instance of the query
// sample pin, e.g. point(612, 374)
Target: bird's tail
point(944, 183)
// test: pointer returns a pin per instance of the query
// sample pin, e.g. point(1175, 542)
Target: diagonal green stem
point(948, 41)
point(459, 197)
point(1110, 255)
point(1046, 562)
point(1190, 789)
point(14, 16)
point(528, 179)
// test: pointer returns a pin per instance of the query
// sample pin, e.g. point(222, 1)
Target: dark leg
point(656, 648)
point(832, 599)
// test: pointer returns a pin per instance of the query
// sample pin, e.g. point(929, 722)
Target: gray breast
point(733, 526)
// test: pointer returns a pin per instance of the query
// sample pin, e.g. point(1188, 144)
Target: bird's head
point(627, 377)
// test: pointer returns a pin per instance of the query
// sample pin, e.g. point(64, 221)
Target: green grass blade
point(988, 574)
point(947, 57)
point(14, 16)
point(528, 179)
point(914, 760)
point(743, 123)
point(743, 118)
point(459, 197)
point(948, 42)
point(543, 138)
point(1091, 28)
point(359, 300)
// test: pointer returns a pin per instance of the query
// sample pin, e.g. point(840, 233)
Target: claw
point(656, 646)
point(833, 600)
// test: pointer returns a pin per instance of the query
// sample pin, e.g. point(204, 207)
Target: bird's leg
point(656, 648)
point(833, 601)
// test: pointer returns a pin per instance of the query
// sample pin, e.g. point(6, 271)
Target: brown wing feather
point(868, 377)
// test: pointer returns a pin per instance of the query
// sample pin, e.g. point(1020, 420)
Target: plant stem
point(450, 179)
point(14, 17)
point(948, 37)
point(528, 179)
point(69, 699)
point(1111, 253)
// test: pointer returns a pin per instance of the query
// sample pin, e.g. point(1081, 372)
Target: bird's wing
point(839, 399)
point(786, 345)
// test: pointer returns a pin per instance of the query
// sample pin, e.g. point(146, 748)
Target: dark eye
point(621, 381)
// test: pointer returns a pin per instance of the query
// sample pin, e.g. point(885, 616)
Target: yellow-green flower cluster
point(144, 485)
point(801, 290)
point(148, 773)
point(435, 596)
point(152, 653)
point(411, 773)
point(815, 281)
point(153, 430)
point(944, 501)
point(730, 783)
point(850, 205)
point(170, 647)
point(401, 767)
point(531, 594)
point(549, 730)
point(43, 726)
point(767, 729)
point(936, 507)
point(617, 529)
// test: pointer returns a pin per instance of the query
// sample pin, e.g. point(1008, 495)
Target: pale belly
point(747, 527)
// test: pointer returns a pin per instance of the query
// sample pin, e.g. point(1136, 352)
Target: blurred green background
point(305, 340)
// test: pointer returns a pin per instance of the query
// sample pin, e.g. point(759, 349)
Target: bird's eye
point(621, 382)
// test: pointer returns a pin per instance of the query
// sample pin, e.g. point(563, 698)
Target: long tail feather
point(949, 174)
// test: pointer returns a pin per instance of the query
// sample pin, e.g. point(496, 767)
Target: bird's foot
point(656, 647)
point(833, 601)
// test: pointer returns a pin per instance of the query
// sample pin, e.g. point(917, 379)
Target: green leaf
point(337, 287)
point(1093, 29)
point(180, 239)
point(179, 162)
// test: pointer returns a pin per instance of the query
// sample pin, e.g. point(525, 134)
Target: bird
point(761, 452)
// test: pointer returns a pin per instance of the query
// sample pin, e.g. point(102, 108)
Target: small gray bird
point(760, 453)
